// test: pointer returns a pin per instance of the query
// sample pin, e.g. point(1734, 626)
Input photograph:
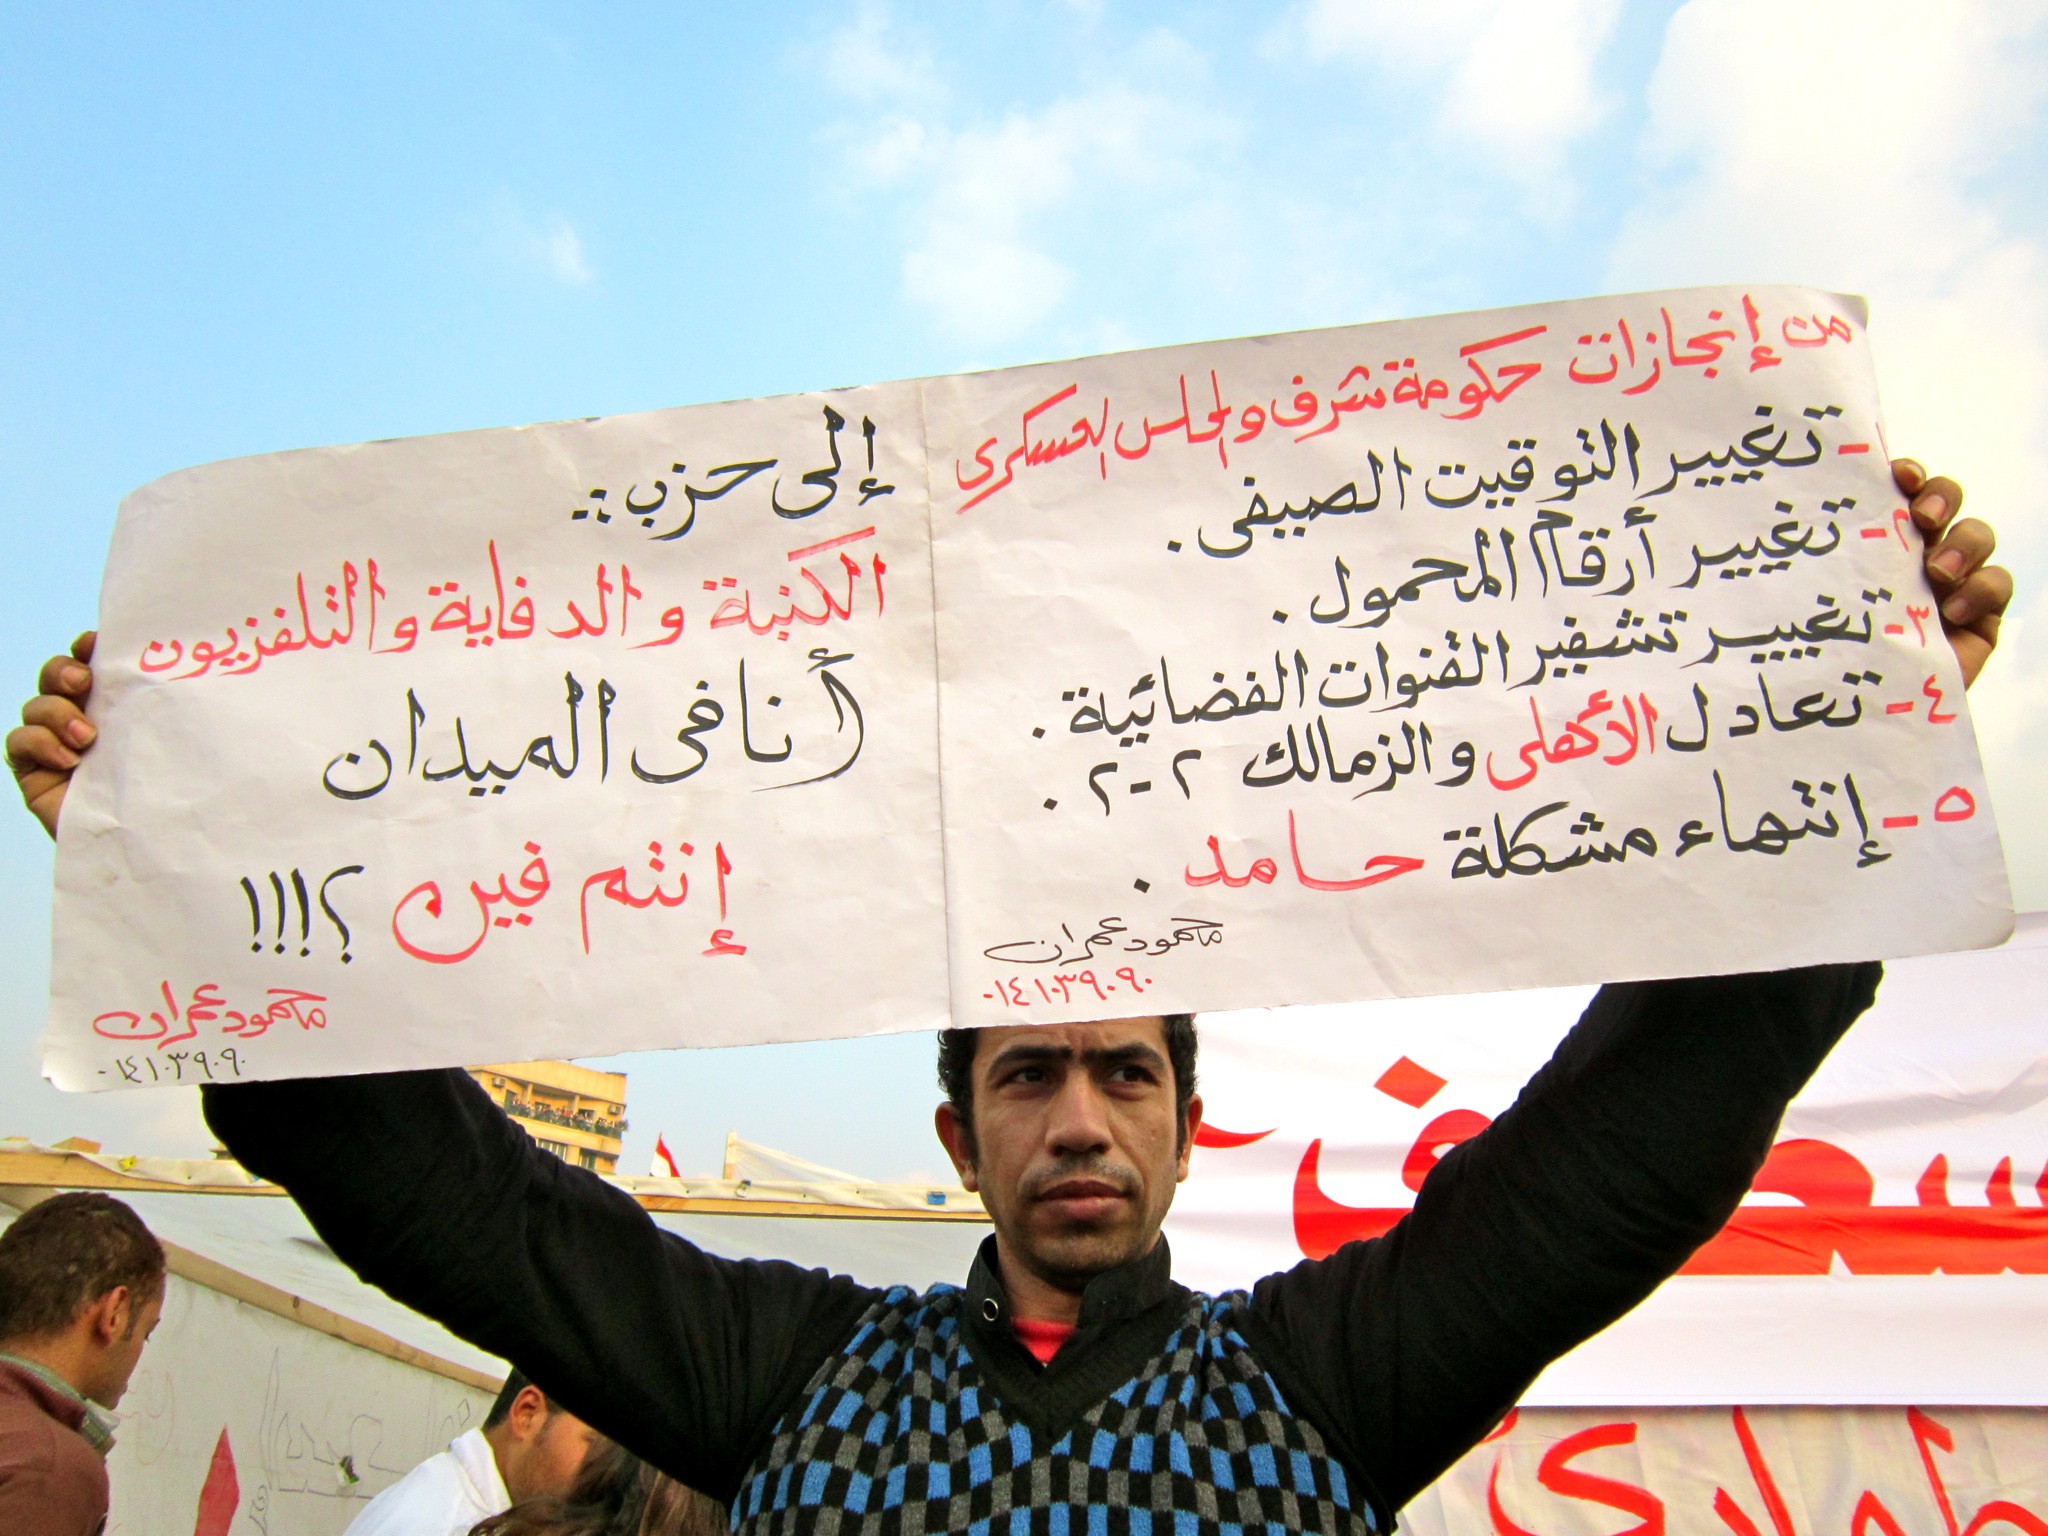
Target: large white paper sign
point(567, 739)
point(1542, 646)
point(1577, 642)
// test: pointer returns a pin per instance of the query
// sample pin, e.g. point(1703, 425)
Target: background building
point(577, 1113)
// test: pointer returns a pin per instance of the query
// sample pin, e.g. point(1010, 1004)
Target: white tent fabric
point(758, 1173)
point(268, 1240)
point(191, 1172)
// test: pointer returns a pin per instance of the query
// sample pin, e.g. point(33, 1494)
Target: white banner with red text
point(1907, 1471)
point(1894, 1248)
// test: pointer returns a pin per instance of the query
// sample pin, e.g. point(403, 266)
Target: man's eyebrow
point(1026, 1053)
point(1136, 1053)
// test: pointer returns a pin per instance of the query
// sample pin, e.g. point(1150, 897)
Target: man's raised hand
point(1973, 595)
point(46, 746)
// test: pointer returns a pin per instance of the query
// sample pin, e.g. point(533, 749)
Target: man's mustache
point(1092, 1168)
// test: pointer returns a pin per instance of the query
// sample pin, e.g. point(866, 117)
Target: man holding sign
point(1071, 1384)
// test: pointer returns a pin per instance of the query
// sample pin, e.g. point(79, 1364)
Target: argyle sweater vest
point(902, 1432)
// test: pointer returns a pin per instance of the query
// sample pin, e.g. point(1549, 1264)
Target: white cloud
point(1845, 144)
point(551, 248)
point(1841, 131)
point(1514, 78)
point(872, 60)
point(996, 197)
point(560, 251)
point(991, 208)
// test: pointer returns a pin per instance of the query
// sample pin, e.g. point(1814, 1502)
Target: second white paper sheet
point(1566, 644)
point(546, 741)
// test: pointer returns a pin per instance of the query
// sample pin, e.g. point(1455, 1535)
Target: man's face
point(539, 1450)
point(127, 1332)
point(1076, 1143)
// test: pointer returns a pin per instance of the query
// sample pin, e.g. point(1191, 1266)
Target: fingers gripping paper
point(1543, 646)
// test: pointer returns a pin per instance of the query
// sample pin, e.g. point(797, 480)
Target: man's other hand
point(46, 746)
point(1973, 595)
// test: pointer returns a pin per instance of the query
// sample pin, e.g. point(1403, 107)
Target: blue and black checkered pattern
point(901, 1432)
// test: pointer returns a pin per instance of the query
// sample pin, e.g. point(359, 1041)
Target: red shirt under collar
point(1042, 1339)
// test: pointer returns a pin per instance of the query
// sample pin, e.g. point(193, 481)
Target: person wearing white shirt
point(527, 1446)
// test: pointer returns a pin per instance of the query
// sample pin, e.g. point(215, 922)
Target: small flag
point(664, 1164)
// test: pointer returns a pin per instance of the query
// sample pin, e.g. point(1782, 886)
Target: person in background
point(616, 1494)
point(81, 1289)
point(528, 1448)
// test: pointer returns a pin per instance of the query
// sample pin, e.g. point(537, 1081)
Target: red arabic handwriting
point(206, 1006)
point(505, 612)
point(1581, 740)
point(1641, 368)
point(417, 922)
point(1634, 358)
point(739, 609)
point(1011, 991)
point(533, 883)
point(1378, 869)
point(1037, 445)
point(1557, 1474)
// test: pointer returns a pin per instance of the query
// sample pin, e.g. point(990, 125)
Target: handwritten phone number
point(221, 1065)
point(1017, 991)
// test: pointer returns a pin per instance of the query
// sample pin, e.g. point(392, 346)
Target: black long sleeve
point(1631, 1148)
point(420, 1184)
point(1623, 1155)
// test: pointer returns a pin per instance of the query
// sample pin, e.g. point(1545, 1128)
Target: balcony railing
point(547, 1114)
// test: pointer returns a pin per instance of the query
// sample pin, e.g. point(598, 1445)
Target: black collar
point(1127, 1313)
point(1111, 1296)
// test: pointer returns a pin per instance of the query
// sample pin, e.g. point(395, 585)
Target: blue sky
point(230, 229)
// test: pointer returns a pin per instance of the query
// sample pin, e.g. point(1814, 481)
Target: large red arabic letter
point(1555, 1473)
point(1733, 1515)
point(432, 907)
point(1815, 1173)
point(1438, 1137)
point(1321, 1225)
point(1760, 1472)
point(1207, 1135)
point(1380, 867)
point(1930, 1435)
point(124, 1025)
point(1932, 1188)
point(1503, 1525)
point(1870, 1511)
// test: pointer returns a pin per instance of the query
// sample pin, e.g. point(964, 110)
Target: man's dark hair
point(956, 1068)
point(515, 1383)
point(63, 1255)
